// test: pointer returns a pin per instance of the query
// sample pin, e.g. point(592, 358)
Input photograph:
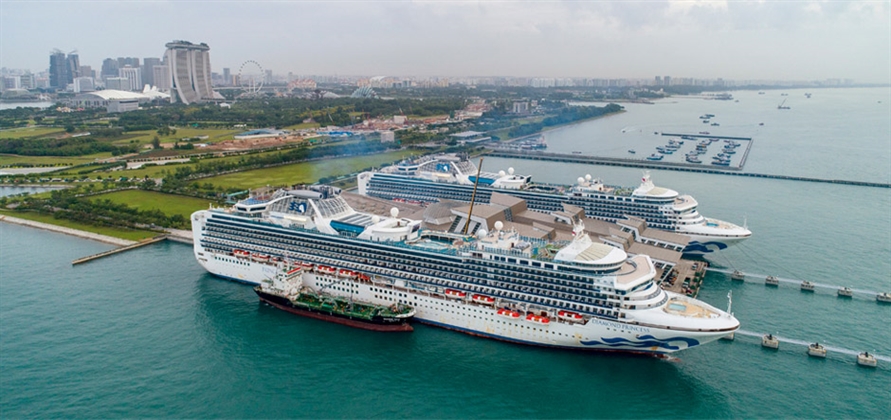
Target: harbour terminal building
point(189, 72)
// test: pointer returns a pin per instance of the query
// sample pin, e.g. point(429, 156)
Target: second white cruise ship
point(576, 294)
point(448, 176)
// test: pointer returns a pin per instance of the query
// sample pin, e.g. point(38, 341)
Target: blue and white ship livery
point(452, 177)
point(572, 294)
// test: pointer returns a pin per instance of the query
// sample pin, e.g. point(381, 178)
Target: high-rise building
point(134, 78)
point(86, 71)
point(26, 81)
point(58, 70)
point(148, 69)
point(227, 76)
point(190, 71)
point(667, 80)
point(109, 68)
point(128, 61)
point(83, 84)
point(161, 75)
point(73, 69)
point(117, 83)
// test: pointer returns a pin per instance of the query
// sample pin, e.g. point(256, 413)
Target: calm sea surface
point(149, 334)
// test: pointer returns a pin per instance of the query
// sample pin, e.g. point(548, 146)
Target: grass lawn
point(305, 172)
point(133, 235)
point(145, 136)
point(26, 132)
point(169, 204)
point(44, 160)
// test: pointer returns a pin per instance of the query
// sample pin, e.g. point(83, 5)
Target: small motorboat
point(738, 275)
point(807, 286)
point(845, 292)
point(883, 297)
point(772, 281)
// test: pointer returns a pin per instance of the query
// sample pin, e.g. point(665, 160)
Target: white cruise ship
point(433, 178)
point(578, 294)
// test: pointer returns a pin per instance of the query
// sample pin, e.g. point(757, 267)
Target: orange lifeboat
point(488, 300)
point(241, 253)
point(346, 273)
point(538, 319)
point(324, 269)
point(363, 277)
point(260, 258)
point(306, 265)
point(570, 316)
point(507, 313)
point(455, 293)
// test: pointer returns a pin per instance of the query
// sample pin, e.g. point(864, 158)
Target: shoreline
point(559, 126)
point(68, 231)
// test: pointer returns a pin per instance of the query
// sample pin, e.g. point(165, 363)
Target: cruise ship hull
point(463, 314)
point(705, 239)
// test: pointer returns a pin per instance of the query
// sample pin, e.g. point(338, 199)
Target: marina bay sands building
point(189, 66)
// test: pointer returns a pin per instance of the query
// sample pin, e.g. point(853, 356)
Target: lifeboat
point(260, 258)
point(346, 273)
point(455, 293)
point(240, 253)
point(306, 265)
point(363, 277)
point(537, 319)
point(507, 313)
point(570, 316)
point(324, 269)
point(488, 300)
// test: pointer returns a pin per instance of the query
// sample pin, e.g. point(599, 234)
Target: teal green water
point(149, 334)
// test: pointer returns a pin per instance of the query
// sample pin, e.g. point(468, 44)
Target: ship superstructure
point(452, 177)
point(577, 294)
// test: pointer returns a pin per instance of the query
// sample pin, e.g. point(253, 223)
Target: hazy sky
point(790, 40)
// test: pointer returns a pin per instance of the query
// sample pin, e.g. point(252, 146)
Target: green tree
point(156, 142)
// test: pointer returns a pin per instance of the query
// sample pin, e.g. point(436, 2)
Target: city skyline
point(638, 40)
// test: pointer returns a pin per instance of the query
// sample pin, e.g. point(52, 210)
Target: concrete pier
point(670, 166)
point(119, 250)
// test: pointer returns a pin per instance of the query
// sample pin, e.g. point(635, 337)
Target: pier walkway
point(670, 166)
point(760, 278)
point(118, 250)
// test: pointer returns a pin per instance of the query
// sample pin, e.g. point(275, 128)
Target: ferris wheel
point(251, 77)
